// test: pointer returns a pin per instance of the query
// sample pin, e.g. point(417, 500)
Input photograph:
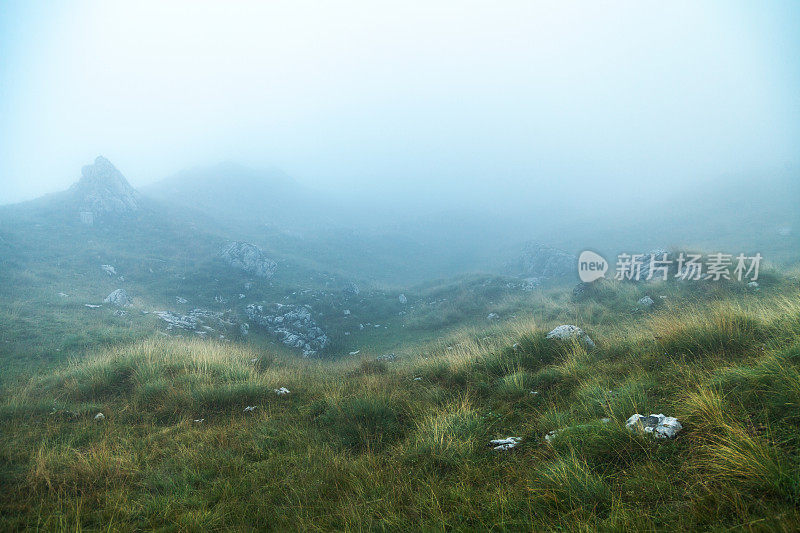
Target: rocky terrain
point(292, 325)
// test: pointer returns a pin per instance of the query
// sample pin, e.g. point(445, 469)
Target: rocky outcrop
point(249, 258)
point(119, 298)
point(541, 261)
point(568, 332)
point(291, 324)
point(103, 190)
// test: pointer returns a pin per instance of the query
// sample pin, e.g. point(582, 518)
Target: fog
point(462, 104)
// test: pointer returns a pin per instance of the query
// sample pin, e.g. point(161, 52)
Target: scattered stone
point(283, 391)
point(108, 269)
point(63, 295)
point(119, 298)
point(661, 426)
point(199, 420)
point(386, 357)
point(417, 378)
point(249, 258)
point(244, 328)
point(753, 285)
point(99, 416)
point(568, 332)
point(180, 300)
point(505, 444)
point(291, 324)
point(249, 408)
point(492, 316)
point(119, 312)
point(346, 312)
point(402, 299)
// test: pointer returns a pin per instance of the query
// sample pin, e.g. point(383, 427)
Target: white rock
point(661, 426)
point(99, 416)
point(492, 316)
point(181, 300)
point(199, 420)
point(283, 391)
point(355, 352)
point(402, 298)
point(505, 444)
point(567, 332)
point(92, 306)
point(249, 408)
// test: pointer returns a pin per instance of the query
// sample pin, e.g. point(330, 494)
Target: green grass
point(399, 445)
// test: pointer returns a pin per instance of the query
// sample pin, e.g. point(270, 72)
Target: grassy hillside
point(403, 444)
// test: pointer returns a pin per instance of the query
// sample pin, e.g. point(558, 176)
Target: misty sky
point(476, 101)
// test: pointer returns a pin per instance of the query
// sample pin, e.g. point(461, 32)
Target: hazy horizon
point(466, 105)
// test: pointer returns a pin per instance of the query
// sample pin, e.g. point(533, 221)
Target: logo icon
point(591, 266)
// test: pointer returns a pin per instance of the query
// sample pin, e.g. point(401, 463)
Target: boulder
point(660, 426)
point(119, 298)
point(249, 258)
point(108, 269)
point(402, 299)
point(568, 332)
